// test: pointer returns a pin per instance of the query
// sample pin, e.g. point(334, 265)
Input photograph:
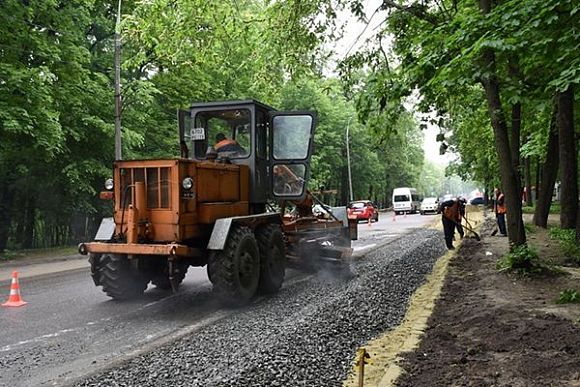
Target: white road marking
point(9, 347)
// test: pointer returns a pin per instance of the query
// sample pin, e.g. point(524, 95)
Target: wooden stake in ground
point(362, 358)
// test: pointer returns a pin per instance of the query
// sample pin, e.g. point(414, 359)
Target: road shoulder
point(385, 351)
point(35, 266)
point(490, 328)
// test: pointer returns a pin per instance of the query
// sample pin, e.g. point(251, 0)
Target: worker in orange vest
point(224, 144)
point(500, 210)
point(450, 213)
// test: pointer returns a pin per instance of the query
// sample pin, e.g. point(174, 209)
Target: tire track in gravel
point(306, 335)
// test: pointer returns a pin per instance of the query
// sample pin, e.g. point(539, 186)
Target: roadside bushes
point(521, 259)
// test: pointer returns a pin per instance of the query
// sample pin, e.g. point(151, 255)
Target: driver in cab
point(224, 144)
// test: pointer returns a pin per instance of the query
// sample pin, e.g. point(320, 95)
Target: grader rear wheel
point(119, 280)
point(272, 258)
point(235, 270)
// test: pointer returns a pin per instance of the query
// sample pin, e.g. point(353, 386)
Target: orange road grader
point(240, 207)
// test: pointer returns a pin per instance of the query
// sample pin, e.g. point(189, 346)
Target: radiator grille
point(157, 186)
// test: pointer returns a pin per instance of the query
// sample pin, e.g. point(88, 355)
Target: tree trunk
point(545, 188)
point(538, 174)
point(5, 215)
point(528, 181)
point(578, 227)
point(568, 160)
point(509, 176)
point(29, 217)
point(515, 138)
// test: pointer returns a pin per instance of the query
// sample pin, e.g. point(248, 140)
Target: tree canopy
point(497, 79)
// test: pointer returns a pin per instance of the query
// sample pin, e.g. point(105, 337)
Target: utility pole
point(118, 154)
point(348, 160)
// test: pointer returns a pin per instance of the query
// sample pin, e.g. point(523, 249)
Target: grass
point(569, 296)
point(523, 260)
point(567, 241)
point(10, 255)
point(554, 209)
point(529, 228)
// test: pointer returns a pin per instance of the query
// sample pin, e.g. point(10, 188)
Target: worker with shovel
point(450, 214)
point(460, 215)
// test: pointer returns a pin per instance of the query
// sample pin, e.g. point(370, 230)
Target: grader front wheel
point(119, 280)
point(235, 270)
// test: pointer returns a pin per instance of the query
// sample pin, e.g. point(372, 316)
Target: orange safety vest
point(452, 212)
point(500, 208)
point(223, 143)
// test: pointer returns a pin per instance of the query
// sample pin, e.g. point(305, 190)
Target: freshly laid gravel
point(306, 335)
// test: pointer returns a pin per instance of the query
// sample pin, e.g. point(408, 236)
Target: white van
point(406, 200)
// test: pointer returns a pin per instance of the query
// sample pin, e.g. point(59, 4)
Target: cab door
point(291, 140)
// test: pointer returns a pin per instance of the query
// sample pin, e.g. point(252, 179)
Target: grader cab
point(224, 203)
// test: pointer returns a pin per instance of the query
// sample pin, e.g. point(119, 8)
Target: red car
point(364, 209)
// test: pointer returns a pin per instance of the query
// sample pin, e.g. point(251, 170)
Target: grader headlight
point(187, 183)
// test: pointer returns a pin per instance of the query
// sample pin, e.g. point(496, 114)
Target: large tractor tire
point(94, 261)
point(272, 258)
point(235, 270)
point(118, 279)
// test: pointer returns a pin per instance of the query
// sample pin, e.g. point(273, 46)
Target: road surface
point(70, 327)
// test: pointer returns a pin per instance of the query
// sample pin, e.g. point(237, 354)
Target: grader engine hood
point(147, 196)
point(171, 200)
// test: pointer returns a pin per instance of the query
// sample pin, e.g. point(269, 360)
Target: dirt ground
point(494, 329)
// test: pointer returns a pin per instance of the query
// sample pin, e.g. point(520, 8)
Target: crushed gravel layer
point(306, 335)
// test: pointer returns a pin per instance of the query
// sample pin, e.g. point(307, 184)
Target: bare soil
point(496, 329)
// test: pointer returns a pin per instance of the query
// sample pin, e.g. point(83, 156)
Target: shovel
point(468, 227)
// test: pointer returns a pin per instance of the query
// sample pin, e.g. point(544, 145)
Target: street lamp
point(348, 160)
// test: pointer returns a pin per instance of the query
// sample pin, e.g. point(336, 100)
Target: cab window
point(228, 131)
point(291, 137)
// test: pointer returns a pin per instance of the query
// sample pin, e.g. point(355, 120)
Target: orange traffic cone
point(14, 299)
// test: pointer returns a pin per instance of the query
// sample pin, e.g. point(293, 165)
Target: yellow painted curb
point(385, 350)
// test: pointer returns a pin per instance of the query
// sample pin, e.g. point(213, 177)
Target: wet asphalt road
point(70, 327)
point(389, 228)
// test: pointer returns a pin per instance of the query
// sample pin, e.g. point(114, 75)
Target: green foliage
point(396, 159)
point(432, 179)
point(562, 234)
point(568, 244)
point(528, 209)
point(56, 94)
point(569, 296)
point(554, 209)
point(521, 260)
point(529, 228)
point(438, 49)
